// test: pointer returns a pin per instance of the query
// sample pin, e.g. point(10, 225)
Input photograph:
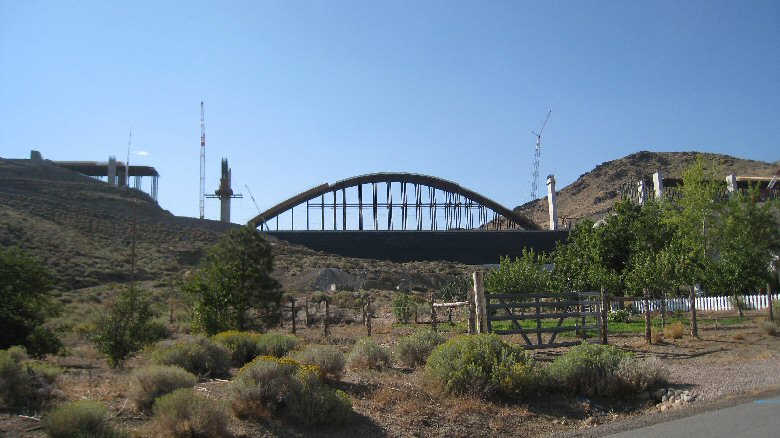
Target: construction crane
point(537, 156)
point(202, 197)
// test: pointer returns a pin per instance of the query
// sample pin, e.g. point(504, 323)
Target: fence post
point(292, 313)
point(694, 325)
point(472, 310)
point(368, 314)
point(604, 307)
point(327, 317)
point(433, 315)
point(480, 304)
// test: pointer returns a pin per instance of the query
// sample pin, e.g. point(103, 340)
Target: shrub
point(413, 350)
point(185, 414)
point(620, 315)
point(270, 387)
point(637, 375)
point(769, 327)
point(588, 369)
point(200, 356)
point(403, 308)
point(483, 365)
point(148, 383)
point(26, 303)
point(674, 331)
point(127, 326)
point(83, 418)
point(24, 384)
point(367, 354)
point(346, 300)
point(328, 358)
point(277, 344)
point(243, 346)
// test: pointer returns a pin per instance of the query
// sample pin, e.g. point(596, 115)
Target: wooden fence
point(547, 313)
point(753, 302)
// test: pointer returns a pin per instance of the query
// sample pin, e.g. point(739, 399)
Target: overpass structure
point(422, 202)
point(404, 217)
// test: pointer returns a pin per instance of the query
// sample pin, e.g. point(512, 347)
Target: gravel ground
point(711, 382)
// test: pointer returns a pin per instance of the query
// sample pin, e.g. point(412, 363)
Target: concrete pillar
point(658, 185)
point(552, 202)
point(731, 183)
point(112, 170)
point(36, 156)
point(225, 192)
point(642, 191)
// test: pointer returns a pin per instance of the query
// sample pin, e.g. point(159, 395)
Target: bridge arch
point(446, 204)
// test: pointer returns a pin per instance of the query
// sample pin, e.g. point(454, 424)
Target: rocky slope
point(593, 193)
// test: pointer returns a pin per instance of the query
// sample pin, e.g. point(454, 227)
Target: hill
point(593, 194)
point(81, 229)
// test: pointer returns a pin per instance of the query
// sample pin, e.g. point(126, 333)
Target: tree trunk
point(648, 324)
point(738, 305)
point(769, 300)
point(694, 324)
point(604, 307)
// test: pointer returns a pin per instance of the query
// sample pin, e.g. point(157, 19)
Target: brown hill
point(594, 193)
point(81, 229)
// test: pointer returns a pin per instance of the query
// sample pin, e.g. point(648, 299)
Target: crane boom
point(202, 162)
point(537, 158)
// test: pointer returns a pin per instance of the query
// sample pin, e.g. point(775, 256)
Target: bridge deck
point(464, 246)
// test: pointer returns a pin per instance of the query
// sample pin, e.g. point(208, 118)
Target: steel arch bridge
point(424, 203)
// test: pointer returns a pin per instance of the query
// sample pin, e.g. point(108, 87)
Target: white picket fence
point(754, 302)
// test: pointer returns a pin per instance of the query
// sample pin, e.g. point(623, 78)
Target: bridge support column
point(658, 185)
point(731, 183)
point(552, 202)
point(642, 191)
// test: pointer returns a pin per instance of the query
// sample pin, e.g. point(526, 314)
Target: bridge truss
point(366, 202)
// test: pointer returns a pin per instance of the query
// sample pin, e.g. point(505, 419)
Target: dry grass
point(768, 327)
point(674, 331)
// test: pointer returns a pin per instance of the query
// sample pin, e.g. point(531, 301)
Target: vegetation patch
point(83, 418)
point(243, 346)
point(274, 388)
point(328, 358)
point(200, 356)
point(367, 354)
point(24, 384)
point(482, 365)
point(148, 383)
point(413, 350)
point(185, 414)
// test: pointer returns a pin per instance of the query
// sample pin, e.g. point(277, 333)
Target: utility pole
point(202, 161)
point(537, 156)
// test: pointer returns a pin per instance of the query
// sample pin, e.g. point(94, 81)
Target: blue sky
point(302, 93)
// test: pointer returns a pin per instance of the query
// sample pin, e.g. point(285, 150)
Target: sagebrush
point(482, 365)
point(80, 419)
point(200, 356)
point(148, 383)
point(185, 414)
point(414, 349)
point(281, 388)
point(328, 358)
point(367, 354)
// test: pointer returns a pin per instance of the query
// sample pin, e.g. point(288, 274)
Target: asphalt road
point(754, 419)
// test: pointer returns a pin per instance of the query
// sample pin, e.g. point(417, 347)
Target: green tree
point(692, 216)
point(747, 237)
point(233, 288)
point(127, 326)
point(524, 274)
point(25, 303)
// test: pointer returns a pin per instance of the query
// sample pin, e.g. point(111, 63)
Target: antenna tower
point(537, 156)
point(202, 161)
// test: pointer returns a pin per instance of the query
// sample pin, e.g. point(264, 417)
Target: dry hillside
point(81, 229)
point(594, 193)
